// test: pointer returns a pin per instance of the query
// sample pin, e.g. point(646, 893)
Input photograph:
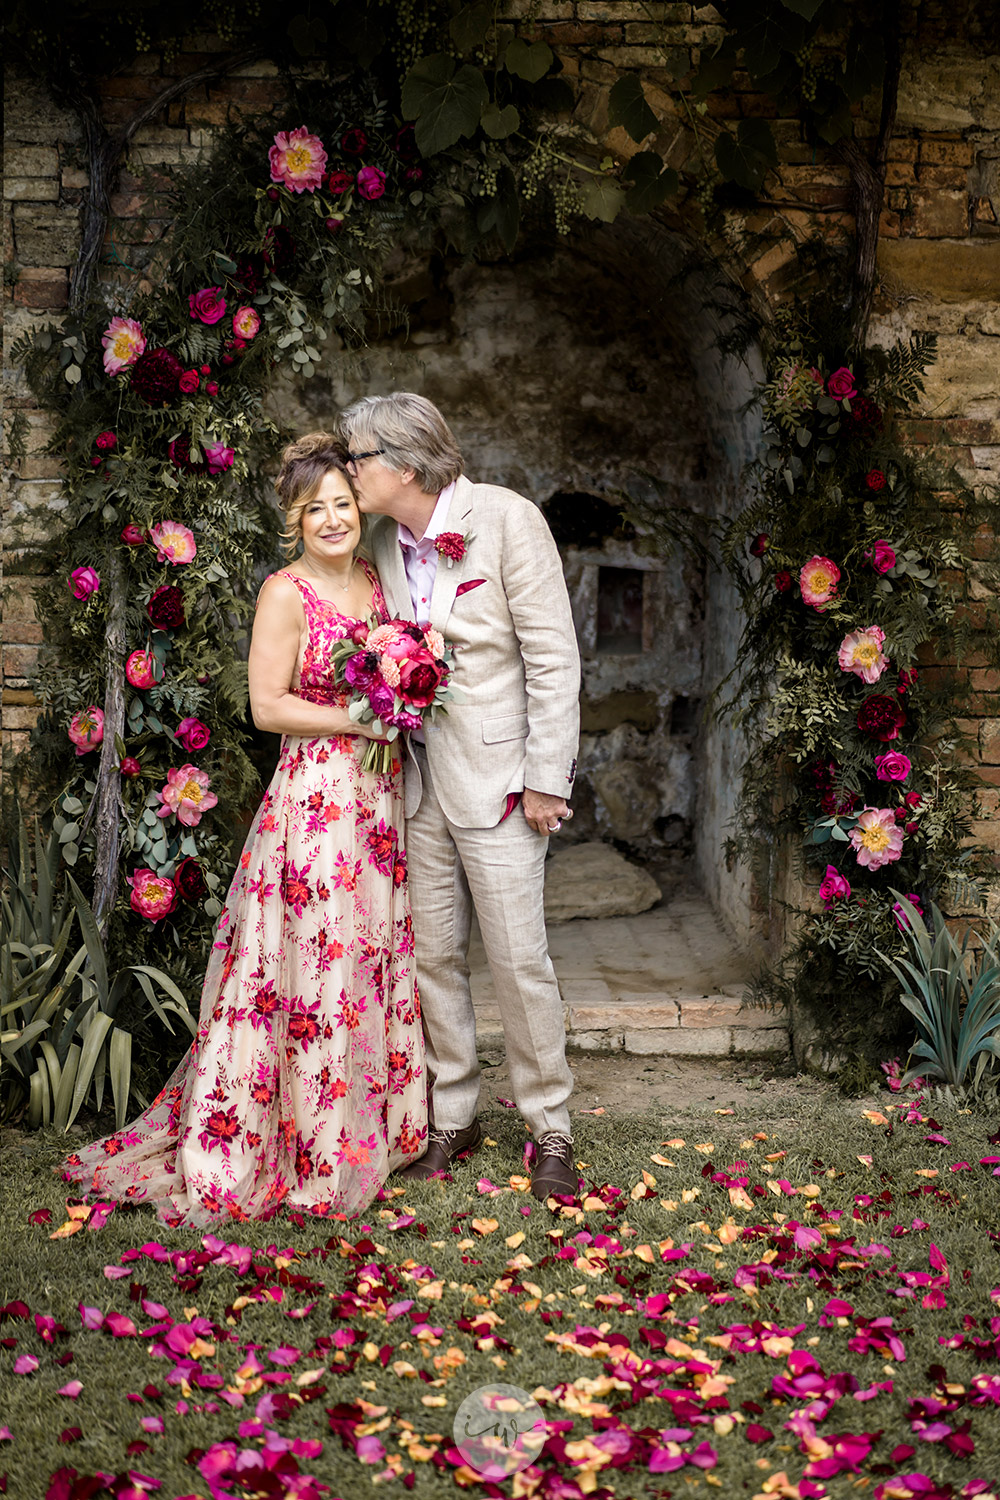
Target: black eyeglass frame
point(356, 458)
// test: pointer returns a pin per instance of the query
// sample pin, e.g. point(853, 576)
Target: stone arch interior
point(567, 373)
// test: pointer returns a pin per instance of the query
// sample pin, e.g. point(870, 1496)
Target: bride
point(304, 1086)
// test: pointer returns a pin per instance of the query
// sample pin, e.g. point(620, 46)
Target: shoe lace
point(443, 1137)
point(554, 1143)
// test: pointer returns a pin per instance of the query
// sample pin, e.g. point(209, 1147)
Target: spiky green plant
point(953, 990)
point(60, 1041)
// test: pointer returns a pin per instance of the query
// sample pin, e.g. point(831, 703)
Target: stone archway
point(564, 372)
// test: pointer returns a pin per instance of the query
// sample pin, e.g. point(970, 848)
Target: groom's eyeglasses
point(356, 458)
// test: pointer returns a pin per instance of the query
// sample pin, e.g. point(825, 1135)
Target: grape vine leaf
point(469, 28)
point(528, 60)
point(747, 158)
point(601, 198)
point(627, 106)
point(444, 104)
point(499, 123)
point(651, 184)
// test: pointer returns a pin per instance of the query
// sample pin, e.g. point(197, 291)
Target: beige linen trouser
point(500, 871)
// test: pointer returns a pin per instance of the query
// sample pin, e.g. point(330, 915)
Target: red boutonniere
point(452, 545)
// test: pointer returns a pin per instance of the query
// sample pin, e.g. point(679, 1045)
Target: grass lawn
point(745, 1304)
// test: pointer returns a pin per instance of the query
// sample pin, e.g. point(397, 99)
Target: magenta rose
point(339, 182)
point(893, 766)
point(371, 182)
point(841, 384)
point(881, 557)
point(419, 677)
point(106, 441)
point(193, 734)
point(134, 536)
point(381, 698)
point(218, 457)
point(833, 887)
point(129, 767)
point(83, 582)
point(208, 305)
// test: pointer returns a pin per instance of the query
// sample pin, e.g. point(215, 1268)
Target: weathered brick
point(952, 152)
point(939, 213)
point(31, 161)
point(19, 661)
point(709, 1041)
point(46, 235)
point(19, 716)
point(30, 189)
point(42, 286)
point(74, 177)
point(944, 177)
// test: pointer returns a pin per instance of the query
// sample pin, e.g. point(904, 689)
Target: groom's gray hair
point(412, 434)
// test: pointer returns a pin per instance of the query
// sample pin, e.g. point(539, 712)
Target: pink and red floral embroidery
point(305, 1084)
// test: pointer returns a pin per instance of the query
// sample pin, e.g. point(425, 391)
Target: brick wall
point(940, 249)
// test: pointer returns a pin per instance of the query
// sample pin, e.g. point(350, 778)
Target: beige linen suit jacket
point(516, 657)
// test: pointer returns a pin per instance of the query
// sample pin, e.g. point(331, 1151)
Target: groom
point(488, 782)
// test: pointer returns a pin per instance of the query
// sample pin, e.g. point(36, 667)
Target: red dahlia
point(156, 376)
point(865, 413)
point(881, 717)
point(875, 479)
point(190, 880)
point(166, 607)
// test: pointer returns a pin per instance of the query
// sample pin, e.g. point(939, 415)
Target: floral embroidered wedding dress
point(304, 1086)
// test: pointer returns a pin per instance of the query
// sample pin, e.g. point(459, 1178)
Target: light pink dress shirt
point(420, 561)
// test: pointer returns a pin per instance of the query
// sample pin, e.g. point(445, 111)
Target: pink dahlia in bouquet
point(877, 838)
point(398, 677)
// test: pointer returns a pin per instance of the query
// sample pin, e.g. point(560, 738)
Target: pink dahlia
point(123, 341)
point(174, 543)
point(298, 159)
point(140, 669)
point(246, 323)
point(83, 582)
point(153, 896)
point(861, 653)
point(186, 794)
point(877, 838)
point(86, 729)
point(818, 581)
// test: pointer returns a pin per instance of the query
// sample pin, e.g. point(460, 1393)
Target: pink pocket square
point(471, 583)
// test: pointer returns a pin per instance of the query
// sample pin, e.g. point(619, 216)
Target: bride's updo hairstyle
point(304, 465)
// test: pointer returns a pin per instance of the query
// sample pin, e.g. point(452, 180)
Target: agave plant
point(60, 1041)
point(953, 991)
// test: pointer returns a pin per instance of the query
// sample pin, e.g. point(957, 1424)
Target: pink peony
point(83, 582)
point(841, 384)
point(881, 557)
point(174, 543)
point(877, 838)
point(371, 183)
point(153, 896)
point(208, 305)
point(86, 729)
point(298, 159)
point(818, 580)
point(893, 766)
point(246, 323)
point(861, 653)
point(186, 794)
point(123, 341)
point(833, 887)
point(193, 734)
point(140, 669)
point(218, 457)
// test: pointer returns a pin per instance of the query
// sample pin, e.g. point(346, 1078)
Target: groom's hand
point(544, 813)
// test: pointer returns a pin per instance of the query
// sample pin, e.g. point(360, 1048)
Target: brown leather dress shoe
point(443, 1148)
point(555, 1169)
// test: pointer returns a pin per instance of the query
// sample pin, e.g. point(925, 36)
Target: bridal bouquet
point(398, 675)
